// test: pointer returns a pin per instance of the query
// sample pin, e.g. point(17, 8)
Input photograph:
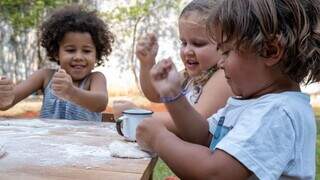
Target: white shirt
point(274, 136)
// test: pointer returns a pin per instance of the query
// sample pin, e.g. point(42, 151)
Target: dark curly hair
point(75, 18)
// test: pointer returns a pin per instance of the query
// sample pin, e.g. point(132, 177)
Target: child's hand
point(120, 105)
point(165, 78)
point(6, 92)
point(62, 84)
point(148, 133)
point(147, 49)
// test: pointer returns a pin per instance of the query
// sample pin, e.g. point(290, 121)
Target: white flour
point(2, 151)
point(44, 143)
point(127, 150)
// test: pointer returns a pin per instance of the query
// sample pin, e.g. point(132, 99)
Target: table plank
point(61, 149)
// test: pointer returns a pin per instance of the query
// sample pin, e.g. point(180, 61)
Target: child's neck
point(278, 86)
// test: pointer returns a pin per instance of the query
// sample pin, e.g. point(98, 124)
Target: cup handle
point(119, 125)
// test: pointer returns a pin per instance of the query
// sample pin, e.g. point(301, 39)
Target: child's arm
point(190, 124)
point(11, 95)
point(146, 51)
point(187, 160)
point(95, 99)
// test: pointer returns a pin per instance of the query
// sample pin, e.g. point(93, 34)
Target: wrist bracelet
point(165, 99)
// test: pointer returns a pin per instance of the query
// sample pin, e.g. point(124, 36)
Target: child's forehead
point(191, 23)
point(194, 17)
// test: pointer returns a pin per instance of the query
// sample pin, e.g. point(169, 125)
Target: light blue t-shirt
point(55, 108)
point(274, 136)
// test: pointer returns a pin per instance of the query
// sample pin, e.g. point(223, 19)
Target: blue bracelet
point(172, 99)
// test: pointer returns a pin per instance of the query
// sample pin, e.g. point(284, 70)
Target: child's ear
point(273, 53)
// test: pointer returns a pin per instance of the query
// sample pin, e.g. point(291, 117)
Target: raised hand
point(147, 49)
point(6, 92)
point(62, 84)
point(165, 78)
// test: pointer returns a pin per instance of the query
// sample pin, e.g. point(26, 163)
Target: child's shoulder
point(287, 98)
point(46, 73)
point(95, 76)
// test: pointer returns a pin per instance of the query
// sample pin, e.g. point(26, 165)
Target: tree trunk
point(133, 63)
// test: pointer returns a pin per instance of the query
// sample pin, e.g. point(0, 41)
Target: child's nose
point(188, 50)
point(78, 56)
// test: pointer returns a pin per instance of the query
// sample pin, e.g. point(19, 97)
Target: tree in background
point(20, 52)
point(131, 20)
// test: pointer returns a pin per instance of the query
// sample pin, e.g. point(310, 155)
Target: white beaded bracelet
point(172, 99)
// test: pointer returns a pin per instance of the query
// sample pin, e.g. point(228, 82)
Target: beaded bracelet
point(172, 99)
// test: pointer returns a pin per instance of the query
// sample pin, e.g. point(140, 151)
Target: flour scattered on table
point(127, 150)
point(2, 151)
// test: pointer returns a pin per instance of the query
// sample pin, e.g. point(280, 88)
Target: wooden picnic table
point(64, 149)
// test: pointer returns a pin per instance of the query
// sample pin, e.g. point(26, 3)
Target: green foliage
point(140, 9)
point(318, 156)
point(25, 14)
point(161, 171)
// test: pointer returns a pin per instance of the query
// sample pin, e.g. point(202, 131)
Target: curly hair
point(75, 18)
point(294, 24)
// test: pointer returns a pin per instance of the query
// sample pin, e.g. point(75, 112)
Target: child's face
point(77, 54)
point(246, 73)
point(197, 52)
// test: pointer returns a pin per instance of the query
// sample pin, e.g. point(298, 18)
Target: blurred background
point(21, 54)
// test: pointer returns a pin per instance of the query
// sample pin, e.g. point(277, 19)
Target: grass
point(318, 151)
point(161, 171)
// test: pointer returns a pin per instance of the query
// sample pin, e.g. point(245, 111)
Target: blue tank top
point(55, 108)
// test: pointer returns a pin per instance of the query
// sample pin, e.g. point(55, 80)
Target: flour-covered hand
point(148, 133)
point(147, 49)
point(165, 78)
point(62, 84)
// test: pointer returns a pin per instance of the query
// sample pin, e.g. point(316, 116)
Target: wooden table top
point(64, 149)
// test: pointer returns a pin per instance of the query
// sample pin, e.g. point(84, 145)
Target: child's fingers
point(62, 71)
point(141, 50)
point(59, 80)
point(158, 71)
point(60, 74)
point(6, 87)
point(56, 87)
point(5, 81)
point(152, 37)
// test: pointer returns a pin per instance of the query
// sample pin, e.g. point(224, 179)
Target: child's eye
point(87, 51)
point(183, 43)
point(199, 44)
point(70, 50)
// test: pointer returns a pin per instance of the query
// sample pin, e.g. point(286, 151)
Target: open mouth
point(192, 63)
point(78, 66)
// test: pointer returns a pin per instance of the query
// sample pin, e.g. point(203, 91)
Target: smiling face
point(197, 52)
point(77, 54)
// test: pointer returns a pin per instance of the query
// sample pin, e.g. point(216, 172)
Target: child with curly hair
point(77, 40)
point(268, 130)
